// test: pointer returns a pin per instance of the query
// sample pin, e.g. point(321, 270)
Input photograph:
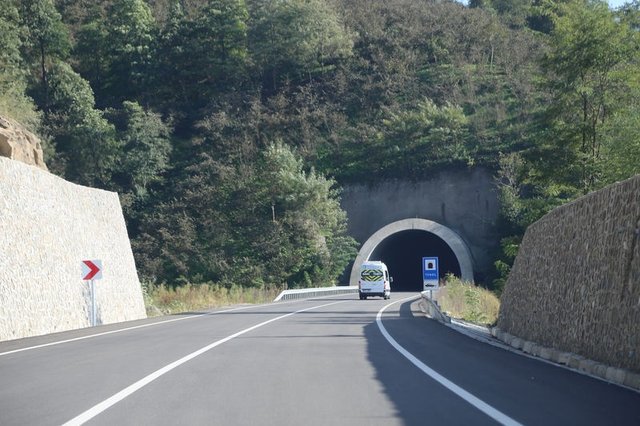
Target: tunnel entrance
point(403, 244)
point(403, 252)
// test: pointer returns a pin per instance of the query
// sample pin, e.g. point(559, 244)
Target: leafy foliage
point(128, 46)
point(586, 70)
point(146, 146)
point(211, 50)
point(296, 39)
point(270, 223)
point(227, 126)
point(84, 139)
point(589, 75)
point(13, 78)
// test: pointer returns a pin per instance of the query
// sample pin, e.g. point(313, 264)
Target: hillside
point(228, 126)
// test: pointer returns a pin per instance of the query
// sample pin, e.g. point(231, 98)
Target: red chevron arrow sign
point(91, 269)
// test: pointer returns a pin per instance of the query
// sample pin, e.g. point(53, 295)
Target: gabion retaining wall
point(575, 284)
point(47, 227)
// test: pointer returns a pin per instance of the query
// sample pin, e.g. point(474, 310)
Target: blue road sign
point(430, 273)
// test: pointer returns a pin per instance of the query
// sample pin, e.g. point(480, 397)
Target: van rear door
point(372, 278)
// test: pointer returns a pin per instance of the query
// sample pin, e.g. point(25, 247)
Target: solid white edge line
point(120, 330)
point(114, 399)
point(468, 397)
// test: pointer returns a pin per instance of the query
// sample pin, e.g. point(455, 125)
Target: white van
point(374, 280)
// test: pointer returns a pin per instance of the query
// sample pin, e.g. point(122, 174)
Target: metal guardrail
point(429, 305)
point(304, 293)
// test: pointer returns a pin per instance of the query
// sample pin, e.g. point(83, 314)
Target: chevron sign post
point(92, 270)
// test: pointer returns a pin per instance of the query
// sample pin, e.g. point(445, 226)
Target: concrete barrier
point(431, 309)
point(306, 293)
point(609, 373)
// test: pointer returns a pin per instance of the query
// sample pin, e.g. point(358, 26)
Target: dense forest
point(228, 126)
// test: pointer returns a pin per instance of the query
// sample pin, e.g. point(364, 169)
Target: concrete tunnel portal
point(401, 246)
point(403, 252)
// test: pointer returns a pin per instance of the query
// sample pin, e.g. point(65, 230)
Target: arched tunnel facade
point(402, 245)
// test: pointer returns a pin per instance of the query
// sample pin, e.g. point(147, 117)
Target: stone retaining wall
point(575, 285)
point(47, 227)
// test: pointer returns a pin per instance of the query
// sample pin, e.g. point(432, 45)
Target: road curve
point(313, 362)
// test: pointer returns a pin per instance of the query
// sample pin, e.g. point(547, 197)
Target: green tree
point(621, 143)
point(427, 136)
point(264, 221)
point(630, 14)
point(415, 142)
point(305, 242)
point(128, 46)
point(91, 49)
point(296, 39)
point(84, 140)
point(13, 83)
point(585, 136)
point(514, 12)
point(169, 90)
point(196, 231)
point(211, 51)
point(47, 41)
point(587, 69)
point(146, 147)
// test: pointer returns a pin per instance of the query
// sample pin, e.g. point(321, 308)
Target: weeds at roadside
point(463, 300)
point(161, 299)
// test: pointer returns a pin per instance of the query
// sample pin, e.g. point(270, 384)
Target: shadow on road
point(419, 400)
point(530, 391)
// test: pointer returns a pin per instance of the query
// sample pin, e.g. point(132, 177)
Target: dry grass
point(166, 300)
point(465, 301)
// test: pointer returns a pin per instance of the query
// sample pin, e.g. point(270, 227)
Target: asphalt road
point(325, 361)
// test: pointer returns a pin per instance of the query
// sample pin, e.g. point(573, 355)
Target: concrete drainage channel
point(570, 360)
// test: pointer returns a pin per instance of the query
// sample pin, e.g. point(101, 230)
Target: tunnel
point(403, 252)
point(401, 246)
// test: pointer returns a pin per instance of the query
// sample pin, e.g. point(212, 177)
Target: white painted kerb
point(453, 240)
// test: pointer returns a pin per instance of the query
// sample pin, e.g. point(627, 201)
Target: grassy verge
point(166, 300)
point(465, 301)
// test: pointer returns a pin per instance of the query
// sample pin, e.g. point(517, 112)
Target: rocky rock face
point(19, 144)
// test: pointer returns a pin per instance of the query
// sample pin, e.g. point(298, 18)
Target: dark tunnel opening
point(403, 251)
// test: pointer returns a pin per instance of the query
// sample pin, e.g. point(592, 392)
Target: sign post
point(430, 274)
point(93, 303)
point(91, 271)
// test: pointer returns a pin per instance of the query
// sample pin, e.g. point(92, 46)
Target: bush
point(465, 301)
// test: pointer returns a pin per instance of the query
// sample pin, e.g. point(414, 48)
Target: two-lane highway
point(334, 360)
